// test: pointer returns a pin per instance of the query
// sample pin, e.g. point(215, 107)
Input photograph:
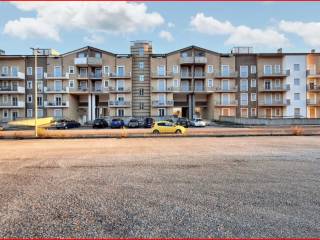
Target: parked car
point(148, 122)
point(117, 123)
point(133, 123)
point(183, 122)
point(65, 124)
point(1, 128)
point(100, 123)
point(198, 122)
point(167, 127)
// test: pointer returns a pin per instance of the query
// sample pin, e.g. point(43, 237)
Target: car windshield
point(198, 120)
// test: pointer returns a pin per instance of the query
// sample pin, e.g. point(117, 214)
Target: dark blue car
point(117, 123)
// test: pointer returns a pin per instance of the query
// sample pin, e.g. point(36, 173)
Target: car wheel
point(156, 132)
point(178, 131)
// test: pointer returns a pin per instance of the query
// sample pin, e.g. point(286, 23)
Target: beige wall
point(261, 61)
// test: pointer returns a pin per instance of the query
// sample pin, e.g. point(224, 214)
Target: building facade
point(89, 83)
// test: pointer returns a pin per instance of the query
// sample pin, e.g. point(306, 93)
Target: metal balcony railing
point(273, 102)
point(282, 87)
point(158, 103)
point(118, 103)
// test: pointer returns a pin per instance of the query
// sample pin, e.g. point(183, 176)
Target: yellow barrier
point(41, 122)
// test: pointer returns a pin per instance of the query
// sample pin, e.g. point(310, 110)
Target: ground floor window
point(120, 112)
point(253, 112)
point(5, 114)
point(14, 115)
point(162, 112)
point(57, 113)
point(225, 112)
point(244, 112)
point(40, 113)
point(29, 113)
point(297, 112)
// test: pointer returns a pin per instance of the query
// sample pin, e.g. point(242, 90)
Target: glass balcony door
point(162, 85)
point(225, 70)
point(225, 85)
point(58, 85)
point(57, 72)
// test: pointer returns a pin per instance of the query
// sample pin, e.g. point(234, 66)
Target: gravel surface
point(170, 187)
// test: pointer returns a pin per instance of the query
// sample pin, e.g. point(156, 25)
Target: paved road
point(172, 187)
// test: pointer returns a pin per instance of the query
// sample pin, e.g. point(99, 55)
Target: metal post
point(36, 91)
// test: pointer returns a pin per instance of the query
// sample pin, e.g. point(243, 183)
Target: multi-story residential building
point(88, 83)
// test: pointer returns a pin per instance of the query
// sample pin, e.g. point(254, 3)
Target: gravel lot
point(168, 187)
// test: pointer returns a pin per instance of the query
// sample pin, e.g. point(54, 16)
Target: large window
point(244, 85)
point(120, 71)
point(244, 99)
point(161, 70)
point(29, 71)
point(57, 72)
point(175, 69)
point(267, 69)
point(39, 72)
point(244, 71)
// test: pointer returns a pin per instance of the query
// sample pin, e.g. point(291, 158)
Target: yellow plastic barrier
point(41, 122)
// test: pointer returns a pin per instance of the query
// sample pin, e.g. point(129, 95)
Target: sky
point(218, 26)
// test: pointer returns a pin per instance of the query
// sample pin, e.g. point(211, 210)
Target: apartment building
point(88, 83)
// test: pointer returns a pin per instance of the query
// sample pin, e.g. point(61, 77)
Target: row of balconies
point(12, 104)
point(11, 89)
point(13, 76)
point(199, 75)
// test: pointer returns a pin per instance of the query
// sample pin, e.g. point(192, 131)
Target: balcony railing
point(313, 87)
point(56, 76)
point(12, 89)
point(226, 89)
point(312, 73)
point(16, 76)
point(230, 103)
point(53, 104)
point(162, 103)
point(120, 75)
point(283, 102)
point(182, 89)
point(202, 60)
point(186, 60)
point(83, 76)
point(226, 74)
point(117, 103)
point(313, 102)
point(199, 75)
point(119, 89)
point(284, 73)
point(283, 87)
point(186, 75)
point(88, 61)
point(162, 89)
point(12, 104)
point(161, 75)
point(56, 89)
point(97, 75)
point(191, 60)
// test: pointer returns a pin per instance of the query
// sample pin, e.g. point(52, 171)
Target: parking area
point(160, 187)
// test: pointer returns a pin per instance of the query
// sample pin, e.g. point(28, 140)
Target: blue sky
point(169, 25)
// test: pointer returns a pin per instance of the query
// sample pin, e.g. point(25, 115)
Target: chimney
point(279, 50)
point(313, 50)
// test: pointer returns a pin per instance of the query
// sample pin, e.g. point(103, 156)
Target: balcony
point(226, 74)
point(186, 60)
point(120, 75)
point(274, 103)
point(313, 102)
point(162, 89)
point(225, 89)
point(99, 89)
point(85, 61)
point(83, 76)
point(12, 76)
point(80, 89)
point(119, 103)
point(200, 60)
point(313, 87)
point(199, 75)
point(281, 88)
point(273, 74)
point(230, 103)
point(11, 89)
point(50, 76)
point(161, 75)
point(12, 104)
point(312, 73)
point(56, 104)
point(193, 60)
point(56, 90)
point(119, 89)
point(162, 103)
point(182, 89)
point(186, 75)
point(95, 75)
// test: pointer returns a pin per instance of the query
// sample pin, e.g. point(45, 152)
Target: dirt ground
point(160, 187)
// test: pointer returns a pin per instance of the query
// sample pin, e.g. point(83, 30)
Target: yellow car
point(167, 127)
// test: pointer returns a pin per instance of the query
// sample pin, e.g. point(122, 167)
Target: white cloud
point(309, 31)
point(171, 25)
point(166, 36)
point(108, 17)
point(93, 39)
point(238, 35)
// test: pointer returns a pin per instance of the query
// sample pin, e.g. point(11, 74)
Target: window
point(278, 112)
point(297, 81)
point(97, 55)
point(253, 83)
point(58, 100)
point(83, 72)
point(57, 71)
point(71, 69)
point(244, 99)
point(277, 83)
point(120, 85)
point(29, 98)
point(106, 83)
point(141, 51)
point(57, 113)
point(40, 86)
point(40, 102)
point(29, 113)
point(82, 55)
point(244, 71)
point(244, 85)
point(29, 84)
point(210, 83)
point(175, 69)
point(141, 92)
point(175, 83)
point(141, 65)
point(5, 71)
point(253, 97)
point(244, 112)
point(141, 106)
point(29, 71)
point(120, 71)
point(277, 68)
point(277, 97)
point(296, 96)
point(161, 112)
point(141, 78)
point(253, 69)
point(225, 70)
point(106, 70)
point(40, 113)
point(253, 112)
point(120, 112)
point(161, 70)
point(267, 69)
point(5, 114)
point(71, 83)
point(14, 115)
point(14, 71)
point(267, 84)
point(296, 67)
point(210, 69)
point(297, 112)
point(39, 72)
